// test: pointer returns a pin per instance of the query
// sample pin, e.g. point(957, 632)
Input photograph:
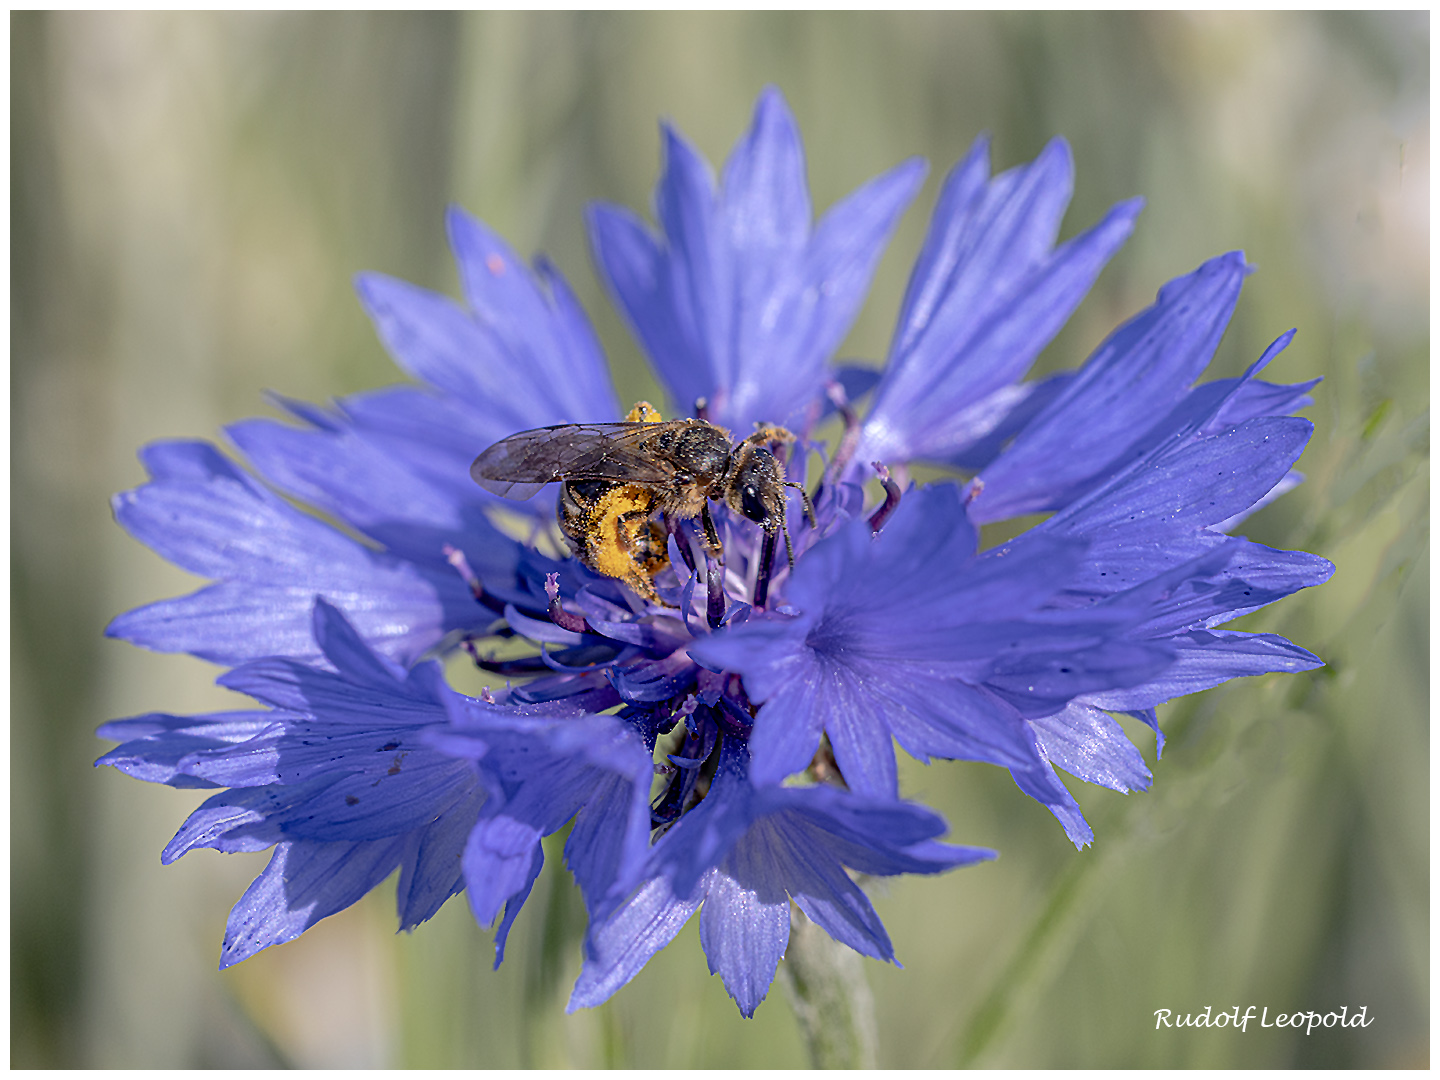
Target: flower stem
point(826, 983)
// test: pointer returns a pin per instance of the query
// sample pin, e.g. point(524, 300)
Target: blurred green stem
point(826, 983)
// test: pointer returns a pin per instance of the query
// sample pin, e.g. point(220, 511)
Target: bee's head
point(757, 487)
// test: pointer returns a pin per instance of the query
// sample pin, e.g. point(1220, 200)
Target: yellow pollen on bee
point(643, 413)
point(614, 535)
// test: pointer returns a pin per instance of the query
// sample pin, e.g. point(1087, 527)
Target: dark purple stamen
point(892, 499)
point(558, 615)
point(762, 575)
point(697, 746)
point(733, 718)
point(531, 665)
point(714, 592)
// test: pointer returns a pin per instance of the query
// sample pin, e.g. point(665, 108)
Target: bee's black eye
point(750, 504)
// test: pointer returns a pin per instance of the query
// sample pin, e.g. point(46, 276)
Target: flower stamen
point(762, 574)
point(456, 558)
point(892, 499)
point(558, 615)
point(714, 593)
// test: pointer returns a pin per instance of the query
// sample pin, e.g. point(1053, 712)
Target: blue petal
point(206, 516)
point(637, 271)
point(302, 884)
point(499, 858)
point(854, 721)
point(516, 902)
point(888, 626)
point(1139, 373)
point(1248, 577)
point(244, 819)
point(1038, 683)
point(1154, 515)
point(153, 746)
point(833, 902)
point(948, 718)
point(1206, 658)
point(511, 356)
point(434, 339)
point(788, 729)
point(407, 799)
point(743, 305)
point(1042, 785)
point(551, 342)
point(981, 430)
point(986, 295)
point(1085, 742)
point(434, 873)
point(703, 838)
point(606, 848)
point(542, 771)
point(744, 931)
point(767, 199)
point(617, 948)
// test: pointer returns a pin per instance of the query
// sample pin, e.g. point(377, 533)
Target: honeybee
point(615, 478)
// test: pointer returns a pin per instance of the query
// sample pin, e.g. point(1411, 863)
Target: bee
point(616, 478)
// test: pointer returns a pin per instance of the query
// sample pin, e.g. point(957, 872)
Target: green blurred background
point(190, 196)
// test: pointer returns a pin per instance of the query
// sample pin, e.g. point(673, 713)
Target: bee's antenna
point(809, 506)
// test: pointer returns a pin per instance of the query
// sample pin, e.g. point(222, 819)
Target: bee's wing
point(521, 465)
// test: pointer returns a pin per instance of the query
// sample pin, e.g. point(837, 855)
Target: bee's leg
point(712, 538)
point(644, 542)
point(771, 436)
point(789, 551)
point(762, 574)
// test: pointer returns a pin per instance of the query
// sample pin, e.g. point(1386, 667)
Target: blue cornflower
point(333, 775)
point(668, 734)
point(741, 855)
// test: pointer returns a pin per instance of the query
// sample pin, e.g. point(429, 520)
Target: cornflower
point(727, 746)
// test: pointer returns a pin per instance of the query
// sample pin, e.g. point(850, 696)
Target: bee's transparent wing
point(518, 467)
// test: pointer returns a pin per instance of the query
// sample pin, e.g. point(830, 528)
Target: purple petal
point(787, 731)
point(741, 304)
point(153, 746)
point(1086, 743)
point(767, 199)
point(1140, 372)
point(1153, 516)
point(206, 516)
point(1206, 658)
point(744, 932)
point(434, 873)
point(1042, 785)
point(805, 319)
point(302, 884)
point(498, 864)
point(985, 297)
point(621, 945)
